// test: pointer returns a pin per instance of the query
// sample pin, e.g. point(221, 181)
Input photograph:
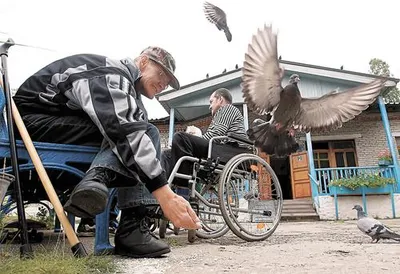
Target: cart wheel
point(176, 230)
point(163, 228)
point(191, 235)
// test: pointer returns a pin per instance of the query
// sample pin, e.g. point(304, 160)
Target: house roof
point(178, 99)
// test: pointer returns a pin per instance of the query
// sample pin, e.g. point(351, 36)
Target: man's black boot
point(90, 196)
point(134, 238)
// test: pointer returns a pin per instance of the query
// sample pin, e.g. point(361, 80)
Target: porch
point(334, 201)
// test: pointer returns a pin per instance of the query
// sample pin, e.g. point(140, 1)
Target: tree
point(380, 67)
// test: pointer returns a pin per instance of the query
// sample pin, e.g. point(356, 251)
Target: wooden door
point(264, 182)
point(301, 187)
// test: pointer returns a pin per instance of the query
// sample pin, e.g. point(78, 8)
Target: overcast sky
point(326, 33)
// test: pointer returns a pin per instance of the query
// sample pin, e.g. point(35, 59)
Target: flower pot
point(385, 162)
point(342, 191)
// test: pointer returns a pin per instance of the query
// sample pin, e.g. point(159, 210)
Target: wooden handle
point(51, 193)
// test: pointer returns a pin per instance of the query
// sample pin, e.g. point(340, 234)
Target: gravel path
point(295, 247)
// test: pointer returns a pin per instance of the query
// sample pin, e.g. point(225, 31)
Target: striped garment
point(227, 119)
point(103, 89)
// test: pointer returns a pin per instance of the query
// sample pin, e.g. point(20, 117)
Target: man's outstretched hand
point(176, 208)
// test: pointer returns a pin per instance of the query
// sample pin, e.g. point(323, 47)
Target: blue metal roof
point(192, 101)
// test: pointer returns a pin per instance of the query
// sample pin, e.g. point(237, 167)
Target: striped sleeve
point(221, 122)
point(109, 102)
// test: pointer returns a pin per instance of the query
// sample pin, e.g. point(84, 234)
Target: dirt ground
point(295, 247)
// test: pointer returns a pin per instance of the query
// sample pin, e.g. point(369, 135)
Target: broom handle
point(69, 231)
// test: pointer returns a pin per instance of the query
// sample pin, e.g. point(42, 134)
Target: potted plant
point(361, 183)
point(385, 158)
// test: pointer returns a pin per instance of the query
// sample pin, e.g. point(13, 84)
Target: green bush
point(367, 180)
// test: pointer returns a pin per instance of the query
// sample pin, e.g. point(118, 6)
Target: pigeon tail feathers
point(390, 235)
point(267, 138)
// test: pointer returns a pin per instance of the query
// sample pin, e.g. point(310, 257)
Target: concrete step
point(298, 210)
point(295, 206)
point(299, 216)
point(297, 202)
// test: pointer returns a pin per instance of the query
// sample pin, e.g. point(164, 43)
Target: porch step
point(300, 217)
point(298, 201)
point(298, 210)
point(299, 206)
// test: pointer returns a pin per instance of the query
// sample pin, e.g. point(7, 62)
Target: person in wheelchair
point(226, 119)
point(92, 100)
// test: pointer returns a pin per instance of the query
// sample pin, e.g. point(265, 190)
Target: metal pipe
point(25, 248)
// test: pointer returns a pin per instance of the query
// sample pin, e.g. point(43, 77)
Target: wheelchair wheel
point(255, 184)
point(212, 222)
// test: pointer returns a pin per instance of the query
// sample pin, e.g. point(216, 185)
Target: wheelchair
point(241, 194)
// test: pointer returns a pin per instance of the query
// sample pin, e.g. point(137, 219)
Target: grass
point(49, 262)
point(54, 257)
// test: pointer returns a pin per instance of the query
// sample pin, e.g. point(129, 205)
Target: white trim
point(345, 76)
point(333, 137)
point(396, 134)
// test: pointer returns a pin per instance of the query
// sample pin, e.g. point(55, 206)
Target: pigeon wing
point(331, 110)
point(262, 76)
point(215, 15)
point(369, 226)
point(388, 233)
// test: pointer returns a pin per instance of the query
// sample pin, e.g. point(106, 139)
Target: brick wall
point(201, 123)
point(373, 138)
point(372, 141)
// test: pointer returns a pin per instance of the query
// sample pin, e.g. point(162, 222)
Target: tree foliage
point(381, 68)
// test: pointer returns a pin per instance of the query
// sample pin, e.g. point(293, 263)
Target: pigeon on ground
point(373, 228)
point(218, 17)
point(263, 93)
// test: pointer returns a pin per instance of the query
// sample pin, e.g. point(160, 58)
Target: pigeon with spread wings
point(263, 93)
point(218, 17)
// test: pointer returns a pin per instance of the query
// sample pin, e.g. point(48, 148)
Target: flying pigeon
point(373, 228)
point(218, 17)
point(263, 93)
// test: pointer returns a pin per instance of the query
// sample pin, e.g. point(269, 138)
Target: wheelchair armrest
point(240, 139)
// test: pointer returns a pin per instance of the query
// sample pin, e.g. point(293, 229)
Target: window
point(334, 154)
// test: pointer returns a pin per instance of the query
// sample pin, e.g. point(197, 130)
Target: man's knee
point(178, 138)
point(153, 128)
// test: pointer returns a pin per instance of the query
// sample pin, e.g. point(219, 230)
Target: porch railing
point(325, 175)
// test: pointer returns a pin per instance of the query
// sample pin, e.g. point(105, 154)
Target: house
point(306, 174)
